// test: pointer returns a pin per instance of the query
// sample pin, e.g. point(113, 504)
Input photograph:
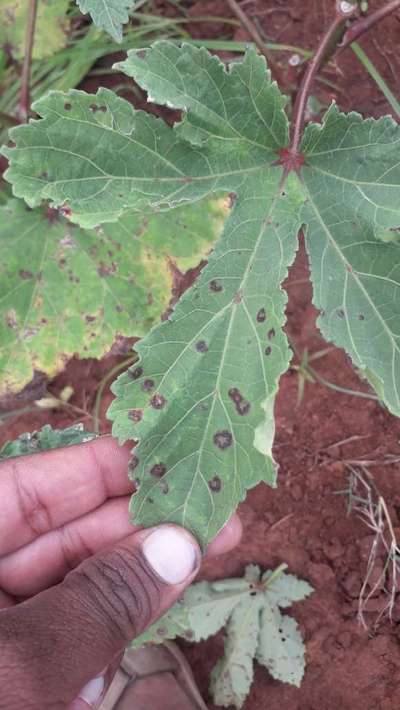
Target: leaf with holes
point(255, 629)
point(116, 281)
point(109, 15)
point(45, 439)
point(200, 402)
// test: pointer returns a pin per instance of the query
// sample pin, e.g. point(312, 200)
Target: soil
point(305, 522)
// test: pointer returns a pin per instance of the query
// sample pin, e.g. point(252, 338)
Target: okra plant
point(200, 400)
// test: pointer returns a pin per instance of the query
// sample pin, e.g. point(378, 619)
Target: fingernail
point(92, 692)
point(171, 553)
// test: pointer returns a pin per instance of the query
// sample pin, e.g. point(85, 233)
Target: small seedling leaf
point(249, 609)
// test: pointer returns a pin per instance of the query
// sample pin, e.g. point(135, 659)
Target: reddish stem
point(363, 25)
point(24, 103)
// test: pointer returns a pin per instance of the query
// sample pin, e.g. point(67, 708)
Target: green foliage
point(201, 400)
point(250, 610)
point(65, 290)
point(110, 15)
point(46, 438)
point(51, 27)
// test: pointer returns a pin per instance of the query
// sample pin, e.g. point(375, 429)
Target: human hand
point(77, 581)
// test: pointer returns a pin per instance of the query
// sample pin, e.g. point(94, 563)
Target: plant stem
point(103, 384)
point(250, 27)
point(24, 103)
point(337, 24)
point(365, 24)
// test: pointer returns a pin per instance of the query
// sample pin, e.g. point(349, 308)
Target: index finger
point(39, 493)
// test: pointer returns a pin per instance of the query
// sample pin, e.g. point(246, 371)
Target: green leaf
point(109, 15)
point(45, 439)
point(352, 178)
point(102, 157)
point(50, 32)
point(248, 608)
point(201, 400)
point(115, 281)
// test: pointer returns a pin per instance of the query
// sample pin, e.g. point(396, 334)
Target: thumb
point(58, 641)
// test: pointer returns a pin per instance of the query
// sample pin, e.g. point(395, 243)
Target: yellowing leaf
point(50, 32)
point(66, 291)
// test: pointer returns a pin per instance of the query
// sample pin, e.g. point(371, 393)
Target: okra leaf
point(45, 439)
point(109, 15)
point(255, 629)
point(97, 157)
point(66, 291)
point(51, 30)
point(352, 180)
point(201, 398)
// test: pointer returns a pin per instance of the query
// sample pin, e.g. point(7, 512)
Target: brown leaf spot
point(147, 385)
point(158, 401)
point(215, 286)
point(268, 350)
point(67, 106)
point(136, 415)
point(133, 463)
point(241, 404)
point(141, 54)
point(164, 487)
point(223, 439)
point(158, 470)
point(340, 313)
point(215, 484)
point(232, 199)
point(90, 319)
point(271, 334)
point(25, 274)
point(136, 373)
point(136, 482)
point(201, 346)
point(361, 316)
point(261, 315)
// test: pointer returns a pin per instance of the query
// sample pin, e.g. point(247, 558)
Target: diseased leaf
point(115, 281)
point(50, 32)
point(232, 676)
point(101, 157)
point(45, 439)
point(352, 178)
point(281, 648)
point(249, 609)
point(109, 15)
point(201, 400)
